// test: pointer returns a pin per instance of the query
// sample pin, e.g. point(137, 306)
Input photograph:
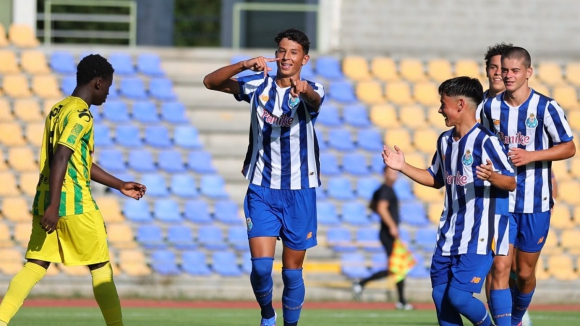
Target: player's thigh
point(387, 241)
point(292, 259)
point(440, 271)
point(262, 246)
point(83, 239)
point(42, 245)
point(262, 217)
point(299, 224)
point(469, 272)
point(532, 231)
point(526, 262)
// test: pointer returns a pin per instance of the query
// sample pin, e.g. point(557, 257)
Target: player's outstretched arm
point(301, 88)
point(396, 160)
point(58, 167)
point(520, 156)
point(221, 79)
point(486, 172)
point(130, 189)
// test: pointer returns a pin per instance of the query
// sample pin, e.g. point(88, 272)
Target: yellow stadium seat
point(399, 93)
point(46, 86)
point(425, 140)
point(561, 218)
point(384, 69)
point(561, 267)
point(568, 191)
point(27, 110)
point(576, 215)
point(574, 166)
point(3, 39)
point(540, 88)
point(434, 210)
point(573, 73)
point(428, 194)
point(34, 133)
point(552, 244)
point(22, 36)
point(426, 93)
point(574, 121)
point(75, 270)
point(110, 209)
point(16, 86)
point(114, 264)
point(412, 70)
point(16, 209)
point(34, 62)
point(551, 73)
point(121, 236)
point(22, 233)
point(439, 70)
point(560, 168)
point(356, 68)
point(412, 116)
point(384, 116)
point(9, 62)
point(11, 134)
point(9, 186)
point(570, 240)
point(3, 166)
point(541, 271)
point(399, 137)
point(11, 261)
point(5, 236)
point(416, 159)
point(5, 111)
point(370, 92)
point(22, 159)
point(133, 263)
point(468, 68)
point(48, 104)
point(27, 183)
point(567, 97)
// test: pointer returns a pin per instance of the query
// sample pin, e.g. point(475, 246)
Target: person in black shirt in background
point(386, 204)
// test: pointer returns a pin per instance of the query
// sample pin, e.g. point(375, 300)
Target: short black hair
point(294, 35)
point(93, 66)
point(497, 49)
point(517, 52)
point(463, 86)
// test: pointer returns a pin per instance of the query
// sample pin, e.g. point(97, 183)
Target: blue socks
point(446, 314)
point(501, 307)
point(293, 295)
point(262, 284)
point(521, 304)
point(470, 307)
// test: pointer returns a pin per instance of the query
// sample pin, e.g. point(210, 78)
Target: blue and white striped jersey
point(283, 151)
point(470, 212)
point(537, 124)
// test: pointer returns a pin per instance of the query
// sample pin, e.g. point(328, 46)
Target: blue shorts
point(285, 213)
point(528, 231)
point(465, 272)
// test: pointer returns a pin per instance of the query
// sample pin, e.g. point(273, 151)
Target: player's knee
point(262, 267)
point(459, 299)
point(526, 274)
point(292, 277)
point(437, 295)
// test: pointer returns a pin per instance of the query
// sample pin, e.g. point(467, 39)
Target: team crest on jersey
point(249, 224)
point(531, 121)
point(264, 98)
point(293, 101)
point(467, 158)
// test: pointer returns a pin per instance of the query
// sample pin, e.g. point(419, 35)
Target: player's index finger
point(272, 59)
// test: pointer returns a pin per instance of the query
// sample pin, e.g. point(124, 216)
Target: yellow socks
point(18, 290)
point(106, 295)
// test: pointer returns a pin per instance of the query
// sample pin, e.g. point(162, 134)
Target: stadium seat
point(225, 263)
point(128, 136)
point(426, 238)
point(574, 119)
point(425, 140)
point(340, 239)
point(379, 262)
point(133, 263)
point(5, 111)
point(122, 63)
point(570, 240)
point(9, 62)
point(419, 270)
point(355, 213)
point(247, 262)
point(34, 62)
point(356, 68)
point(116, 111)
point(412, 116)
point(187, 137)
point(368, 239)
point(22, 159)
point(3, 166)
point(384, 69)
point(412, 70)
point(8, 182)
point(320, 194)
point(167, 210)
point(226, 211)
point(307, 72)
point(434, 210)
point(427, 194)
point(426, 93)
point(112, 160)
point(211, 237)
point(149, 64)
point(239, 58)
point(102, 135)
point(34, 133)
point(568, 191)
point(110, 209)
point(560, 168)
point(195, 263)
point(171, 161)
point(133, 88)
point(550, 73)
point(329, 116)
point(340, 188)
point(213, 186)
point(22, 233)
point(46, 86)
point(356, 115)
point(435, 119)
point(340, 139)
point(417, 159)
point(156, 184)
point(561, 267)
point(173, 112)
point(326, 213)
point(181, 237)
point(398, 136)
point(342, 91)
point(164, 263)
point(141, 160)
point(150, 236)
point(573, 73)
point(439, 70)
point(467, 67)
point(574, 167)
point(370, 140)
point(539, 87)
point(27, 110)
point(183, 185)
point(365, 187)
point(413, 213)
point(238, 238)
point(566, 96)
point(11, 261)
point(68, 84)
point(3, 39)
point(552, 245)
point(121, 236)
point(137, 210)
point(561, 218)
point(62, 62)
point(5, 236)
point(329, 164)
point(157, 136)
point(145, 112)
point(16, 209)
point(402, 188)
point(329, 68)
point(370, 92)
point(541, 270)
point(399, 93)
point(162, 89)
point(16, 86)
point(384, 116)
point(355, 164)
point(22, 36)
point(11, 134)
point(197, 211)
point(354, 266)
point(27, 183)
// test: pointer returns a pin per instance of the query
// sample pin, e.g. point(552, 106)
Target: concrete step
point(199, 96)
point(227, 145)
point(236, 120)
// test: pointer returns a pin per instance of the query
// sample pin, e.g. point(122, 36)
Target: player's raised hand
point(298, 87)
point(520, 156)
point(395, 160)
point(484, 171)
point(133, 189)
point(260, 64)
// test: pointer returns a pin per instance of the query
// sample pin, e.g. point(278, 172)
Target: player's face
point(102, 86)
point(291, 56)
point(493, 73)
point(449, 110)
point(514, 73)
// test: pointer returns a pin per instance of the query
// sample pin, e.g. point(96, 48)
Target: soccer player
point(493, 73)
point(536, 131)
point(283, 167)
point(67, 225)
point(386, 204)
point(470, 162)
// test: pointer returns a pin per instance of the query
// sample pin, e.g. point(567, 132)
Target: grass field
point(232, 317)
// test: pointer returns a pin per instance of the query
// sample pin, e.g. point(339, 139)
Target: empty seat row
point(158, 136)
point(149, 64)
point(181, 237)
point(140, 160)
point(223, 263)
point(17, 86)
point(19, 35)
point(160, 88)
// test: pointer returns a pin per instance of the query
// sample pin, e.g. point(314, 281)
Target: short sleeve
point(556, 124)
point(75, 126)
point(436, 168)
point(249, 85)
point(495, 152)
point(319, 89)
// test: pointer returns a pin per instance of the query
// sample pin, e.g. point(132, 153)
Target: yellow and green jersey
point(70, 124)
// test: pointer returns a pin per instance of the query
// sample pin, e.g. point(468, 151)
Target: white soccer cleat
point(406, 306)
point(526, 320)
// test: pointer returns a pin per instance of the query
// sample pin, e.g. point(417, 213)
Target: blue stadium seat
point(161, 89)
point(173, 112)
point(238, 238)
point(238, 58)
point(116, 111)
point(195, 263)
point(211, 237)
point(62, 62)
point(150, 236)
point(329, 116)
point(149, 64)
point(377, 164)
point(122, 63)
point(68, 84)
point(368, 239)
point(247, 262)
point(128, 136)
point(342, 91)
point(366, 187)
point(402, 188)
point(355, 164)
point(167, 210)
point(355, 213)
point(133, 88)
point(307, 72)
point(413, 213)
point(329, 164)
point(197, 211)
point(213, 186)
point(157, 136)
point(340, 188)
point(379, 262)
point(171, 161)
point(141, 160)
point(326, 213)
point(370, 140)
point(426, 237)
point(273, 66)
point(137, 210)
point(200, 162)
point(329, 68)
point(226, 211)
point(164, 262)
point(187, 137)
point(183, 185)
point(125, 176)
point(112, 160)
point(156, 185)
point(420, 270)
point(320, 193)
point(340, 239)
point(322, 145)
point(356, 115)
point(145, 112)
point(340, 139)
point(225, 263)
point(181, 237)
point(353, 265)
point(405, 235)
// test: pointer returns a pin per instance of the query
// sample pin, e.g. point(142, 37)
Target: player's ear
point(529, 72)
point(305, 59)
point(98, 83)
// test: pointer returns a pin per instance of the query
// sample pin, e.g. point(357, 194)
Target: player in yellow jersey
point(67, 225)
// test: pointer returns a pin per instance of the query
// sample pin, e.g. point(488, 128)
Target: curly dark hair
point(517, 52)
point(463, 86)
point(497, 49)
point(294, 35)
point(93, 66)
